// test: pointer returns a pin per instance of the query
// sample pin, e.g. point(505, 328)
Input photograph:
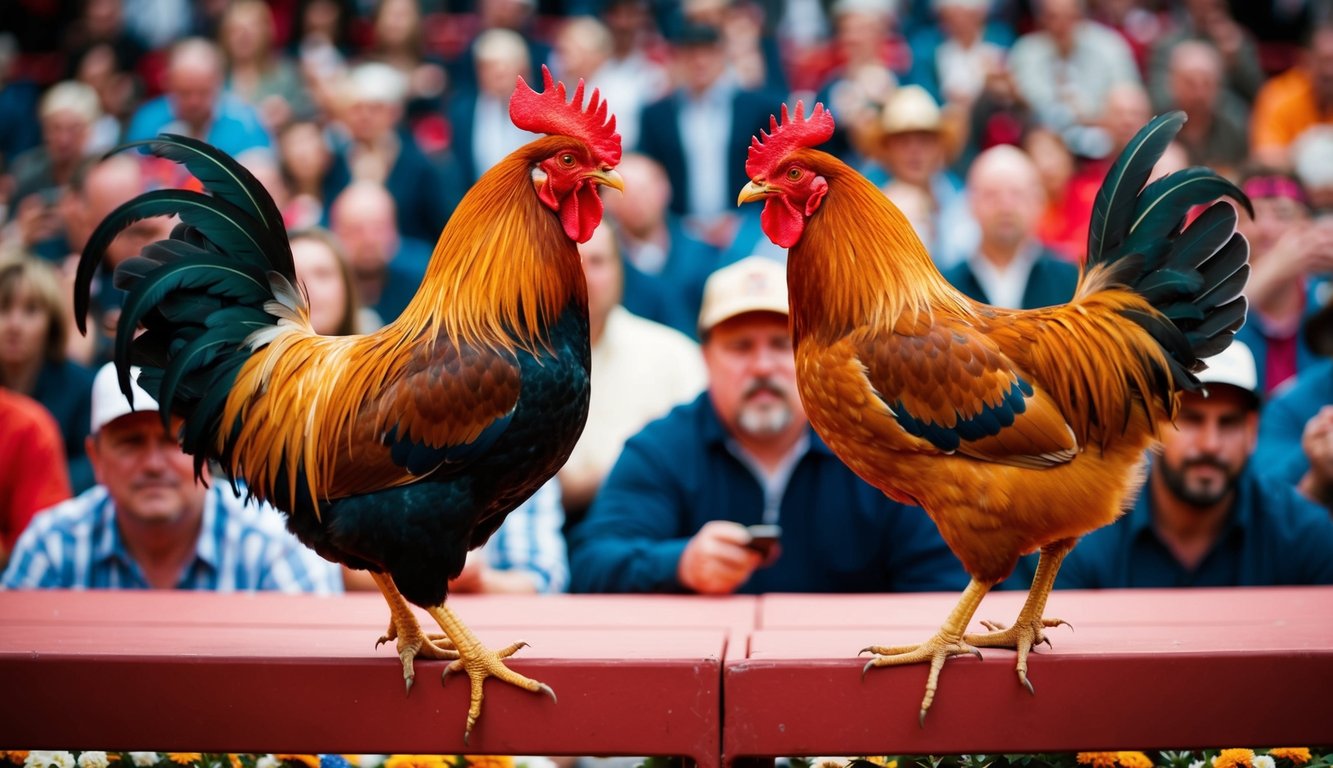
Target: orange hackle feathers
point(495, 286)
point(790, 134)
point(548, 112)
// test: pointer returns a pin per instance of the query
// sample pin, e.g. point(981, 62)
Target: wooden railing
point(711, 679)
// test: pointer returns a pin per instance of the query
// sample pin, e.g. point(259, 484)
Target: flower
point(1234, 758)
point(44, 759)
point(185, 758)
point(93, 760)
point(1264, 761)
point(145, 759)
point(1134, 760)
point(417, 761)
point(489, 761)
point(1297, 755)
point(1098, 759)
point(310, 761)
point(1197, 764)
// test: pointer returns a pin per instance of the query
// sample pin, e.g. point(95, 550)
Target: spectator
point(150, 524)
point(34, 319)
point(701, 133)
point(584, 48)
point(195, 104)
point(117, 91)
point(326, 278)
point(67, 113)
point(258, 72)
point(671, 516)
point(665, 266)
point(321, 42)
point(640, 370)
point(398, 39)
point(633, 74)
point(1312, 159)
point(305, 160)
point(1293, 101)
point(1067, 66)
point(914, 150)
point(1010, 267)
point(950, 59)
point(1209, 22)
point(1068, 205)
point(32, 466)
point(1205, 518)
point(387, 266)
point(479, 114)
point(1217, 132)
point(511, 16)
point(857, 73)
point(1288, 252)
point(379, 150)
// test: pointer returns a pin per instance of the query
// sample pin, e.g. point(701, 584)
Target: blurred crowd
point(990, 123)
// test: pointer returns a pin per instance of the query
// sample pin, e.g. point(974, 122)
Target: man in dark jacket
point(673, 514)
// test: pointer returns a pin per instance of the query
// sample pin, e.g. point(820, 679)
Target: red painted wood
point(1235, 668)
point(255, 679)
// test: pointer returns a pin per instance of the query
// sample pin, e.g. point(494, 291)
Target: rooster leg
point(945, 643)
point(1028, 628)
point(403, 627)
point(480, 662)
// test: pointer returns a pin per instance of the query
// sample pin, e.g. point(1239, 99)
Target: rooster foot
point(935, 650)
point(480, 663)
point(414, 643)
point(1021, 637)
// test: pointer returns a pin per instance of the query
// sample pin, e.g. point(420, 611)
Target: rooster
point(1016, 431)
point(397, 451)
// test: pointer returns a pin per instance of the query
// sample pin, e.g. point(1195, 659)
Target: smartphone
point(763, 538)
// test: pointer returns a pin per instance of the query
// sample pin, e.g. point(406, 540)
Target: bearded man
point(673, 515)
point(1206, 516)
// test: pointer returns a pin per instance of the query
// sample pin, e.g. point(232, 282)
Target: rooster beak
point(608, 178)
point(755, 190)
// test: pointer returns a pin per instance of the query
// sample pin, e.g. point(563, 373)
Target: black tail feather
point(1192, 272)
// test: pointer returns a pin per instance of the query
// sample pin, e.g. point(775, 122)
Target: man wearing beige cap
point(1205, 517)
point(677, 512)
point(149, 525)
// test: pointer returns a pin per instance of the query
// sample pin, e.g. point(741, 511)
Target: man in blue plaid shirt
point(148, 524)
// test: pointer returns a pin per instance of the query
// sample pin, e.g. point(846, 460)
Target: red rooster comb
point(791, 133)
point(548, 112)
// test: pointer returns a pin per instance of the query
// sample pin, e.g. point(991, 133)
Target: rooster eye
point(794, 173)
point(567, 160)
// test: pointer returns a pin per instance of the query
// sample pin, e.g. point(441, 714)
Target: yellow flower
point(489, 761)
point(312, 761)
point(1098, 759)
point(1133, 760)
point(417, 761)
point(185, 758)
point(1234, 758)
point(1297, 755)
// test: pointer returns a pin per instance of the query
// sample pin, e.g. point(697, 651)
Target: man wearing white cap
point(673, 515)
point(149, 524)
point(1205, 517)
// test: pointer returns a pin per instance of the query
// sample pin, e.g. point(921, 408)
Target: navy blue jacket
point(1052, 281)
point(839, 534)
point(659, 138)
point(1274, 537)
point(1282, 423)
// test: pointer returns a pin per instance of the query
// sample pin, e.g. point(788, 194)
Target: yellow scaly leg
point(403, 627)
point(945, 643)
point(480, 663)
point(1027, 630)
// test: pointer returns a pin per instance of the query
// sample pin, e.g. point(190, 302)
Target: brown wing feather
point(942, 372)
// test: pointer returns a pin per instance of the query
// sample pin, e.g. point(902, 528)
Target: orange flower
point(1133, 760)
point(15, 756)
point(1234, 758)
point(185, 758)
point(1297, 755)
point(1098, 759)
point(417, 761)
point(311, 761)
